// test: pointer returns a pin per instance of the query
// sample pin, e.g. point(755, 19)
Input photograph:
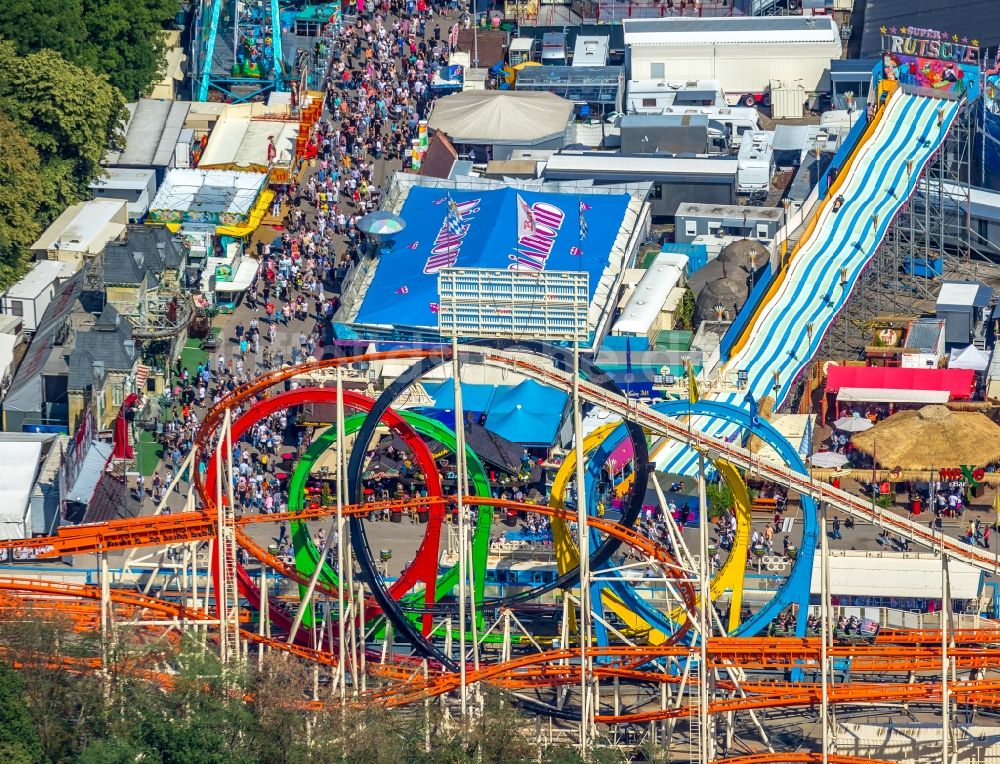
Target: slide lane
point(881, 177)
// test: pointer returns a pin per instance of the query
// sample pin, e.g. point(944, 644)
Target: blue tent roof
point(474, 397)
point(528, 413)
point(532, 396)
point(529, 428)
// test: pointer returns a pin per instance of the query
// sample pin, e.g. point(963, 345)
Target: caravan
point(756, 163)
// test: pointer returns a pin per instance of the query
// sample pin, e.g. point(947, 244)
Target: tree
point(19, 742)
point(21, 198)
point(67, 113)
point(119, 39)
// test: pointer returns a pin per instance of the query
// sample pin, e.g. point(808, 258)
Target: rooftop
point(37, 280)
point(208, 191)
point(85, 227)
point(152, 133)
point(732, 29)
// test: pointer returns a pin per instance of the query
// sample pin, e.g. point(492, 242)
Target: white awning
point(889, 395)
point(242, 278)
point(91, 470)
point(18, 465)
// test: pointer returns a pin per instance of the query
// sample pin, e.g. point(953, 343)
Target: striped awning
point(141, 375)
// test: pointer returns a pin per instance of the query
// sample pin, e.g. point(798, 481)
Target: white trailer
point(29, 297)
point(658, 96)
point(736, 120)
point(743, 53)
point(756, 162)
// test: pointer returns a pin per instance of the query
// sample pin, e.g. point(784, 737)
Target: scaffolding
point(930, 241)
point(237, 50)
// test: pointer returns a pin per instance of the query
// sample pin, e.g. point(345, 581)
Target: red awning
point(959, 383)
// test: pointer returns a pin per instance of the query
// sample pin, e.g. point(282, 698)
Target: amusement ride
point(588, 648)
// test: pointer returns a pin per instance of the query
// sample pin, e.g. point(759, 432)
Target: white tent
point(501, 117)
point(969, 358)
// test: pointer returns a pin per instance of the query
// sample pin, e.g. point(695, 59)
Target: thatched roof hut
point(931, 438)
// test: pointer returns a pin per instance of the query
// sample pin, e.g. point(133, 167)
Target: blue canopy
point(475, 397)
point(528, 413)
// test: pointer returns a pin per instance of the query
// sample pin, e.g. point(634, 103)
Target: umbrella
point(829, 459)
point(853, 424)
point(381, 223)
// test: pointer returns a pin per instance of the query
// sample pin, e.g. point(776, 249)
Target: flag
point(453, 218)
point(435, 307)
point(525, 219)
point(996, 510)
point(414, 245)
point(628, 360)
point(805, 447)
point(403, 290)
point(751, 404)
point(584, 206)
point(583, 221)
point(575, 251)
point(692, 384)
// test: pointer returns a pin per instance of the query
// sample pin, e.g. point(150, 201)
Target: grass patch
point(148, 453)
point(192, 356)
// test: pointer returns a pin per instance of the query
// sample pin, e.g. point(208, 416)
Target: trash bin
point(835, 482)
point(916, 506)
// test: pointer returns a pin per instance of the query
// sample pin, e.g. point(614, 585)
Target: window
point(657, 71)
point(656, 192)
point(117, 395)
point(649, 102)
point(16, 308)
point(690, 227)
point(762, 230)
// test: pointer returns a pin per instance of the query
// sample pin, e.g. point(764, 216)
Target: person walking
point(836, 529)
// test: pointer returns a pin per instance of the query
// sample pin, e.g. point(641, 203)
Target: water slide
point(785, 332)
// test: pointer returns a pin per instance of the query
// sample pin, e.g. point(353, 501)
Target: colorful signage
point(927, 58)
point(967, 472)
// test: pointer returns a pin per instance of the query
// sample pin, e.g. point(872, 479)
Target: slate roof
point(151, 249)
point(105, 344)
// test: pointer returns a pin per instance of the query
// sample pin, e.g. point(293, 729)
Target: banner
point(930, 59)
point(480, 229)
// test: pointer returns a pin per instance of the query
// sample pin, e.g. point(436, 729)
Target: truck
point(743, 53)
point(680, 134)
point(755, 165)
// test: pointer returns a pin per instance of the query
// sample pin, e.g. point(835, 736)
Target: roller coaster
point(623, 662)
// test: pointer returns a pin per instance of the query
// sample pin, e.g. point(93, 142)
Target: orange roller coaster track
point(893, 652)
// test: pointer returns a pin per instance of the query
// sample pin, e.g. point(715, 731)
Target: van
point(521, 49)
point(553, 49)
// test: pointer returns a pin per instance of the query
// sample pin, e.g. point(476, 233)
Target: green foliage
point(685, 311)
point(231, 715)
point(18, 739)
point(117, 39)
point(67, 113)
point(58, 120)
point(720, 498)
point(21, 198)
